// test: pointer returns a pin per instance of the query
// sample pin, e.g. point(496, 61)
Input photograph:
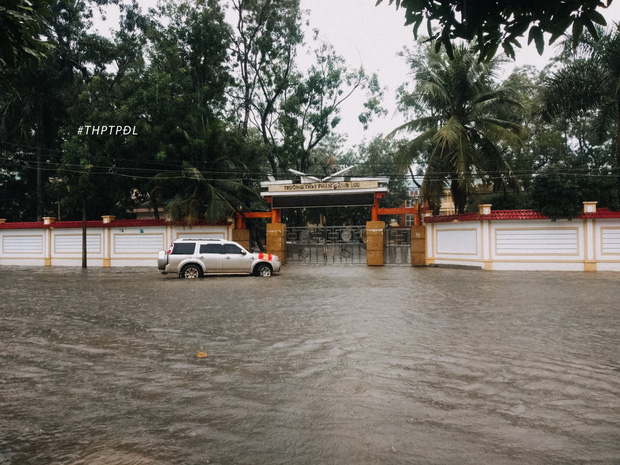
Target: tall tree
point(457, 103)
point(205, 157)
point(311, 110)
point(592, 80)
point(33, 112)
point(292, 110)
point(264, 44)
point(101, 167)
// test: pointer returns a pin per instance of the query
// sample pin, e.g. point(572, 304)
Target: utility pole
point(84, 245)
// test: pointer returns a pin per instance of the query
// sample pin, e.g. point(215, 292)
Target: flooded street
point(317, 365)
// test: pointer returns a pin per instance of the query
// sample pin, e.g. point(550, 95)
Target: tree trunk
point(84, 248)
point(417, 184)
point(618, 144)
point(459, 196)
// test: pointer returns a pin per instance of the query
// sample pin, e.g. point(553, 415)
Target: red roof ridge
point(101, 224)
point(516, 215)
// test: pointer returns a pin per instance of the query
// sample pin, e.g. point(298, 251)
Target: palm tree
point(457, 104)
point(210, 183)
point(203, 197)
point(592, 80)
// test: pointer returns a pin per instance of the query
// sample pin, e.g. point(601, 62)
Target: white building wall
point(106, 246)
point(538, 245)
point(577, 245)
point(136, 246)
point(66, 247)
point(607, 250)
point(22, 246)
point(456, 243)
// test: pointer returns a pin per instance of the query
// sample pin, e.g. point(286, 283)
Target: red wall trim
point(101, 224)
point(517, 215)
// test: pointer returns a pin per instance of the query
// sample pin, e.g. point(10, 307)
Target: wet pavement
point(319, 365)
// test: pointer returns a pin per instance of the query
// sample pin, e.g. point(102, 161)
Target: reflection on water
point(319, 365)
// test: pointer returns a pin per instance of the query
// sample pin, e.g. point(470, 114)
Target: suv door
point(211, 256)
point(236, 259)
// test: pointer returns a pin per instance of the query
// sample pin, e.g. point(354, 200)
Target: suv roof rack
point(201, 239)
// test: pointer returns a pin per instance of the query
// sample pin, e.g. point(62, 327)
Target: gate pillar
point(374, 243)
point(418, 245)
point(242, 237)
point(276, 240)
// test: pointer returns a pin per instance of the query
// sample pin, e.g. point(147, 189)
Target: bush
point(561, 195)
point(499, 201)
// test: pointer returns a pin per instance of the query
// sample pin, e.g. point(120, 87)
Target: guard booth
point(338, 245)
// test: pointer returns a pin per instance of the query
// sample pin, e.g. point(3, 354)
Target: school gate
point(344, 245)
point(372, 244)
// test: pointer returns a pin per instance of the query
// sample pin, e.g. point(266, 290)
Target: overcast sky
point(372, 36)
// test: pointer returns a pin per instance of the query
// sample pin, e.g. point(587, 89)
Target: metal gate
point(326, 245)
point(397, 248)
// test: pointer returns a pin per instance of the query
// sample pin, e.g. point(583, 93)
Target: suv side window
point(183, 248)
point(210, 248)
point(232, 248)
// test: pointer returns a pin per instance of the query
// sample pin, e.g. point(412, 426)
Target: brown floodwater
point(317, 365)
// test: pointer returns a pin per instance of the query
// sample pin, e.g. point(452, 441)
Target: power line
point(166, 173)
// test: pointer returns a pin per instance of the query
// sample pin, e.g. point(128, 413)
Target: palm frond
point(408, 153)
point(423, 123)
point(449, 135)
point(502, 131)
point(219, 206)
point(579, 80)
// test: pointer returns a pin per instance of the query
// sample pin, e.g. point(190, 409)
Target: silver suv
point(194, 258)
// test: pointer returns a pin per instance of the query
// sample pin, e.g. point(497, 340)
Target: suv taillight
point(170, 248)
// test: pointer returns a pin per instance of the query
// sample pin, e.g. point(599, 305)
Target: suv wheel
point(191, 272)
point(263, 270)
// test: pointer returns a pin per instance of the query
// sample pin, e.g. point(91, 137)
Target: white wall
point(577, 245)
point(106, 245)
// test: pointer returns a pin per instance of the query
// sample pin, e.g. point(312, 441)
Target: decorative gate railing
point(326, 245)
point(397, 249)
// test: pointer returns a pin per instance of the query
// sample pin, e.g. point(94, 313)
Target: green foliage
point(556, 195)
point(214, 107)
point(603, 188)
point(293, 110)
point(592, 79)
point(20, 45)
point(36, 108)
point(560, 195)
point(499, 201)
point(462, 125)
point(491, 24)
point(311, 111)
point(263, 50)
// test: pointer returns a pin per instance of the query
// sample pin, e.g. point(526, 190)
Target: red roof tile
point(516, 215)
point(100, 224)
